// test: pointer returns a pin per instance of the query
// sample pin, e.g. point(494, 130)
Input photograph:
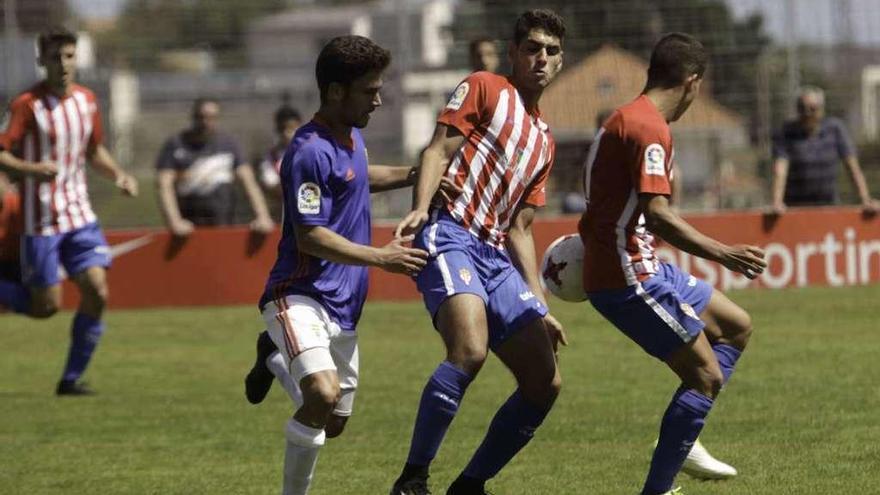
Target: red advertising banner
point(821, 246)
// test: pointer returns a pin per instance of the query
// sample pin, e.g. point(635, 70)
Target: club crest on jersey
point(458, 97)
point(308, 199)
point(654, 160)
point(465, 276)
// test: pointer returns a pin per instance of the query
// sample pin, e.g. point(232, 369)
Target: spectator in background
point(806, 157)
point(483, 55)
point(196, 171)
point(287, 121)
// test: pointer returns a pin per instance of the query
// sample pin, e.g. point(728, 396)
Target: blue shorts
point(661, 314)
point(460, 263)
point(77, 250)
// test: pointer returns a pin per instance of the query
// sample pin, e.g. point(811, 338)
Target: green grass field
point(800, 416)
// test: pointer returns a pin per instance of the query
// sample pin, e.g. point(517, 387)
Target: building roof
point(609, 78)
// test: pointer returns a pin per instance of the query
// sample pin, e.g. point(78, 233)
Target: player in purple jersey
point(316, 290)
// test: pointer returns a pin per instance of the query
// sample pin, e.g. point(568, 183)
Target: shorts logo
point(689, 310)
point(692, 281)
point(458, 97)
point(465, 276)
point(525, 296)
point(349, 175)
point(654, 160)
point(308, 199)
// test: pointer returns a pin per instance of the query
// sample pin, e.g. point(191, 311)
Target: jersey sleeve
point(309, 197)
point(845, 148)
point(166, 156)
point(536, 195)
point(468, 106)
point(18, 119)
point(237, 154)
point(97, 137)
point(649, 157)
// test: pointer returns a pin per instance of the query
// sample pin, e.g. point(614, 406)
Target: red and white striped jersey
point(44, 127)
point(505, 159)
point(631, 154)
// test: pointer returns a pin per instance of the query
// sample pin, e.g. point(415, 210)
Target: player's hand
point(745, 259)
point(262, 225)
point(181, 228)
point(555, 332)
point(778, 209)
point(411, 224)
point(870, 207)
point(128, 184)
point(395, 257)
point(41, 170)
point(447, 192)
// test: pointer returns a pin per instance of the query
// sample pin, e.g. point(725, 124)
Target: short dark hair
point(59, 35)
point(346, 58)
point(675, 58)
point(544, 19)
point(199, 102)
point(285, 113)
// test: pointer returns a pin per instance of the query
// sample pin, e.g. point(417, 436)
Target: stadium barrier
point(833, 246)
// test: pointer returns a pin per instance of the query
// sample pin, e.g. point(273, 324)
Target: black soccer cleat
point(259, 379)
point(467, 486)
point(417, 485)
point(73, 388)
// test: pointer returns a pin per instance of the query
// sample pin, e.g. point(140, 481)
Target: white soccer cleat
point(700, 464)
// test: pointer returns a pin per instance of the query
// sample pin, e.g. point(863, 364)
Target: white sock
point(277, 364)
point(303, 444)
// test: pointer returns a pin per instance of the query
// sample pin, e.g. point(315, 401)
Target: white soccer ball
point(562, 268)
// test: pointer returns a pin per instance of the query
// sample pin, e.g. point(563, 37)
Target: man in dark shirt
point(196, 171)
point(807, 154)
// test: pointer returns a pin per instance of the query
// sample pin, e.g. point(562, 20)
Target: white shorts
point(312, 342)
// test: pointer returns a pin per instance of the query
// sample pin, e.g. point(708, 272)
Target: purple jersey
point(324, 183)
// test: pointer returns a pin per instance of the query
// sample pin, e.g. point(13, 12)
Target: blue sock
point(84, 338)
point(727, 357)
point(679, 430)
point(439, 403)
point(15, 296)
point(511, 429)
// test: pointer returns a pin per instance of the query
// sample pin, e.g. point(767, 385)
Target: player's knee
point(335, 426)
point(542, 387)
point(96, 295)
point(468, 358)
point(322, 396)
point(43, 309)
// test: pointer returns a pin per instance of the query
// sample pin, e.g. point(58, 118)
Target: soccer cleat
point(417, 485)
point(674, 491)
point(700, 464)
point(73, 388)
point(467, 486)
point(259, 379)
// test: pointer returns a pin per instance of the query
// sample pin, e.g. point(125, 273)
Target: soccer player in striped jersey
point(54, 128)
point(481, 285)
point(696, 330)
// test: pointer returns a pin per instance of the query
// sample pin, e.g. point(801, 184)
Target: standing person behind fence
point(11, 224)
point(807, 153)
point(483, 55)
point(286, 120)
point(197, 168)
point(54, 129)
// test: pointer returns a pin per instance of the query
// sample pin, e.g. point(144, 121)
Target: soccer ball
point(562, 268)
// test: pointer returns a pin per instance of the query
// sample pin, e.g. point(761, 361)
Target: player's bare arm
point(663, 221)
point(521, 245)
point(393, 257)
point(174, 221)
point(262, 221)
point(447, 140)
point(780, 174)
point(15, 166)
point(103, 162)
